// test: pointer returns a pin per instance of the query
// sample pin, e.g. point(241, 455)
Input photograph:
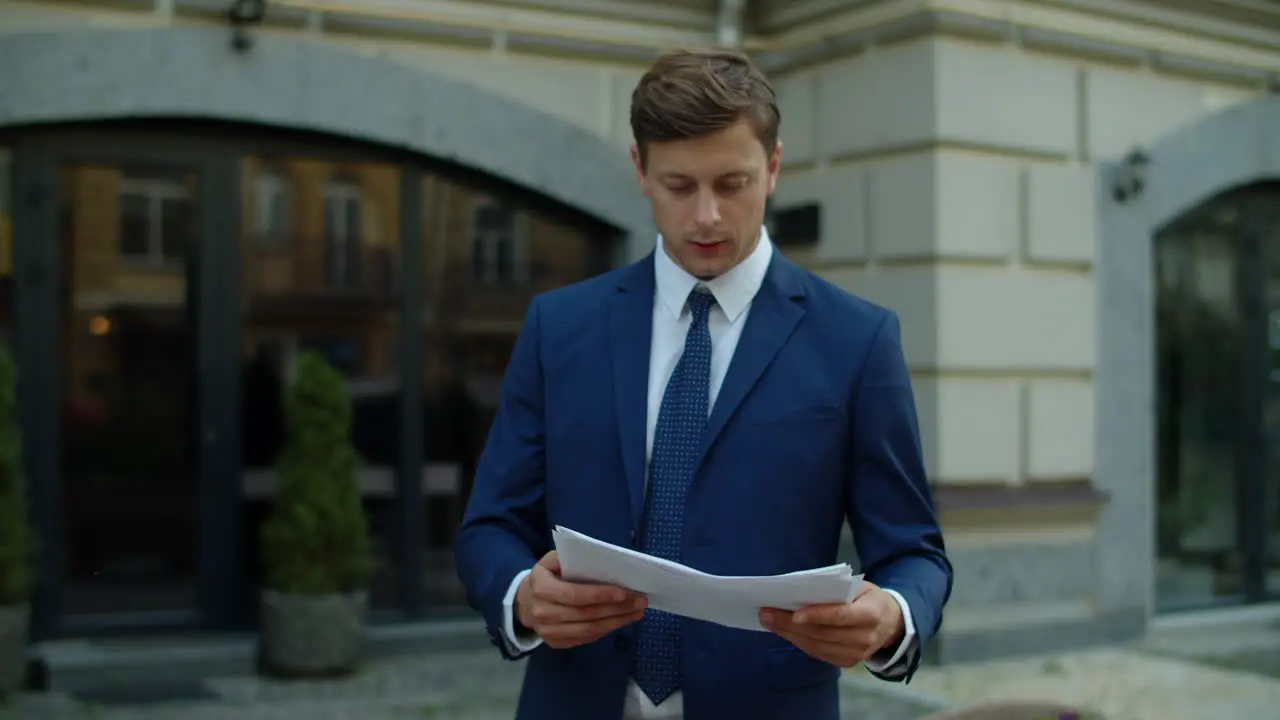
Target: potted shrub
point(16, 538)
point(315, 544)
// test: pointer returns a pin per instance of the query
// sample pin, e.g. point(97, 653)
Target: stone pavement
point(1129, 683)
point(1215, 675)
point(1248, 647)
point(458, 685)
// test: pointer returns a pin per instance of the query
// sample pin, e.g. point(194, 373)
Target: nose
point(708, 213)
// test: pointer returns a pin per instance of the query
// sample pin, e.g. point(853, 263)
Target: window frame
point(155, 191)
point(488, 241)
point(271, 186)
point(343, 194)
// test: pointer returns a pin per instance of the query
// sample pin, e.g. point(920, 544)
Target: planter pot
point(312, 636)
point(13, 646)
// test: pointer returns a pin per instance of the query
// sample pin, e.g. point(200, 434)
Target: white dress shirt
point(734, 292)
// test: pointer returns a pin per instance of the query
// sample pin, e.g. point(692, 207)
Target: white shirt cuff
point(516, 644)
point(906, 649)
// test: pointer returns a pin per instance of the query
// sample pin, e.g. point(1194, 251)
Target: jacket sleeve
point(889, 504)
point(503, 531)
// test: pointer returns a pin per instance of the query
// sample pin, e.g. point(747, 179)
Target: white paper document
point(671, 587)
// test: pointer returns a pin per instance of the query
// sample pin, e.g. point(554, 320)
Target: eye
point(681, 188)
point(733, 184)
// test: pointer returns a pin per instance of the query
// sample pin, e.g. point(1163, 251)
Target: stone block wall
point(958, 186)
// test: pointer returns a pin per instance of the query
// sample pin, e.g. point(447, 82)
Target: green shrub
point(17, 543)
point(316, 541)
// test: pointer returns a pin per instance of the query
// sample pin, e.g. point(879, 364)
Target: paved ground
point(456, 686)
point(1263, 662)
point(1215, 674)
point(1252, 648)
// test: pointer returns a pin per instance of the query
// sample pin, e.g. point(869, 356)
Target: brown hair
point(693, 93)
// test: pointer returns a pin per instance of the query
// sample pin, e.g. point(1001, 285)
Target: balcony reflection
point(320, 252)
point(485, 257)
point(6, 250)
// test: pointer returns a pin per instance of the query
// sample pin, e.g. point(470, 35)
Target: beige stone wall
point(959, 187)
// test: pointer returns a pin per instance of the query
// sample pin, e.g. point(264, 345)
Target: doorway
point(1217, 287)
point(164, 287)
point(129, 240)
point(129, 405)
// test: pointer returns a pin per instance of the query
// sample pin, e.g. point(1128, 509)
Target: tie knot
point(700, 302)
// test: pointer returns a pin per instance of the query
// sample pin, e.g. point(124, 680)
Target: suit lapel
point(630, 333)
point(775, 312)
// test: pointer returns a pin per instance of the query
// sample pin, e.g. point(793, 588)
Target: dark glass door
point(1266, 508)
point(318, 259)
point(128, 417)
point(1217, 272)
point(129, 413)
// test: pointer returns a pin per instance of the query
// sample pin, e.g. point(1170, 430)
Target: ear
point(639, 165)
point(775, 164)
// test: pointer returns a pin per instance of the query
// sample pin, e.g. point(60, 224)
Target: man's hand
point(566, 614)
point(843, 634)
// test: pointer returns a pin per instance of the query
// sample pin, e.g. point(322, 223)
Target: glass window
point(342, 231)
point(6, 248)
point(1201, 332)
point(127, 351)
point(176, 228)
point(499, 243)
point(271, 210)
point(155, 213)
point(331, 291)
point(504, 260)
point(320, 269)
point(1270, 532)
point(1218, 469)
point(135, 226)
point(513, 248)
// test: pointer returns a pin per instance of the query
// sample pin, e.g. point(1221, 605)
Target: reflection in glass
point(485, 256)
point(153, 219)
point(320, 259)
point(1199, 339)
point(127, 352)
point(6, 250)
point(1271, 408)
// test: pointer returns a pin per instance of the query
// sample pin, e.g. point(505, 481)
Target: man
point(715, 405)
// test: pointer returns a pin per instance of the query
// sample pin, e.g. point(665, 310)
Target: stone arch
point(1236, 147)
point(295, 83)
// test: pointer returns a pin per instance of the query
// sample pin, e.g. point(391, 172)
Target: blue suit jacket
point(815, 422)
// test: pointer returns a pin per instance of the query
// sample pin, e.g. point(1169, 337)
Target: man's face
point(708, 196)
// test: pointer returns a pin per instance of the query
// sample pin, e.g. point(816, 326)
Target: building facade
point(1069, 203)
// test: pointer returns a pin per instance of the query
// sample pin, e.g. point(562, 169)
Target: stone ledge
point(74, 664)
point(1031, 495)
point(1043, 504)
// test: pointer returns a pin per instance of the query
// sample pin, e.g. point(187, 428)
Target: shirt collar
point(733, 290)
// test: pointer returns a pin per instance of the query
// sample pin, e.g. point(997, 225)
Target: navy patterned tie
point(677, 440)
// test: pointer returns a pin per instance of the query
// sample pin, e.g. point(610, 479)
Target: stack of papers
point(671, 587)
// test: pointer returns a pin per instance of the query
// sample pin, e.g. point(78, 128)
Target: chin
point(706, 268)
point(711, 271)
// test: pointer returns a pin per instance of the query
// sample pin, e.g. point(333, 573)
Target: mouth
point(707, 247)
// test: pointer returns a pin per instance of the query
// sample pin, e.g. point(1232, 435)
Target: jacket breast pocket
point(799, 414)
